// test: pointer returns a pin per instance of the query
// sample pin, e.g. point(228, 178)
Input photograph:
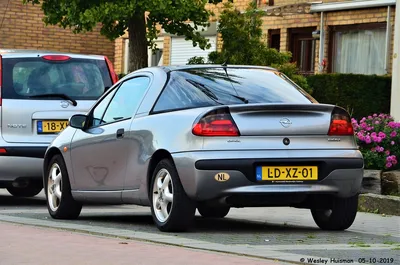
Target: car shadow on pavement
point(234, 230)
point(239, 225)
point(6, 201)
point(136, 218)
point(225, 225)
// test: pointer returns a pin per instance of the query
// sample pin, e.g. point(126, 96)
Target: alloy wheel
point(163, 195)
point(54, 183)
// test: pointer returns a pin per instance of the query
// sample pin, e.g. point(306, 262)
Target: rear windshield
point(206, 87)
point(83, 79)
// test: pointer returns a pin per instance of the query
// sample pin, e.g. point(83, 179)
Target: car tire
point(340, 216)
point(172, 210)
point(32, 189)
point(60, 203)
point(213, 212)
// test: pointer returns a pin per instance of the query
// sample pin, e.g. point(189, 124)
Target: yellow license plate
point(51, 126)
point(287, 174)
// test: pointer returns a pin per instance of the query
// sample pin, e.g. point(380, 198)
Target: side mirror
point(77, 121)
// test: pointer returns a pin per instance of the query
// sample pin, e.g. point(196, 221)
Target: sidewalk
point(33, 245)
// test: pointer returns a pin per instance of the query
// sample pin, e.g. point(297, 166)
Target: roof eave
point(349, 5)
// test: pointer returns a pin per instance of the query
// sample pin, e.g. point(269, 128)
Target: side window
point(99, 110)
point(126, 99)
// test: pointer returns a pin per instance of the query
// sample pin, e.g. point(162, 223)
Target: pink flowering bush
point(378, 137)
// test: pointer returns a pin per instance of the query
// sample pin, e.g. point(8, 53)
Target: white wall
point(395, 98)
point(182, 50)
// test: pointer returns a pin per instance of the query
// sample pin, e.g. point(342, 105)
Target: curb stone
point(382, 204)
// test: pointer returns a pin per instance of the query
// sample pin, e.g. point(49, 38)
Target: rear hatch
point(40, 92)
point(259, 109)
point(282, 119)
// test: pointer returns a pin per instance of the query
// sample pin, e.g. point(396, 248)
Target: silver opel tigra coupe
point(209, 137)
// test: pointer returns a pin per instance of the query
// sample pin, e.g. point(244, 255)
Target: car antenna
point(226, 72)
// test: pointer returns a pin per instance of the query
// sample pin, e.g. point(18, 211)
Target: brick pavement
point(33, 245)
point(284, 234)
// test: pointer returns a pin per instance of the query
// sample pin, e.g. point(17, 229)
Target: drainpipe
point(321, 44)
point(395, 97)
point(388, 36)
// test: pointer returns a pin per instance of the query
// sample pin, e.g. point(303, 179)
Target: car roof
point(169, 68)
point(201, 66)
point(14, 53)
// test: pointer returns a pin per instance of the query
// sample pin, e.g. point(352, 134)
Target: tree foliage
point(244, 43)
point(117, 16)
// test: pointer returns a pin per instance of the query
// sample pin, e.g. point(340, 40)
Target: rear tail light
point(3, 151)
point(1, 77)
point(58, 58)
point(114, 76)
point(340, 123)
point(216, 123)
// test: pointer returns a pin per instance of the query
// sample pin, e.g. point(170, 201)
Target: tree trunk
point(137, 43)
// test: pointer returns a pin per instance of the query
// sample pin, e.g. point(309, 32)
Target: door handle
point(120, 133)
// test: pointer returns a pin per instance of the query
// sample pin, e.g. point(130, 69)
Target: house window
point(359, 49)
point(274, 38)
point(302, 46)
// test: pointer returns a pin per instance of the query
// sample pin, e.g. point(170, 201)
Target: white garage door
point(182, 50)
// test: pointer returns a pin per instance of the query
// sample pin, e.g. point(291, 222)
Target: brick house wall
point(374, 15)
point(350, 17)
point(23, 28)
point(292, 22)
point(119, 53)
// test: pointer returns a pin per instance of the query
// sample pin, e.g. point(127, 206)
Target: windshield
point(205, 87)
point(77, 78)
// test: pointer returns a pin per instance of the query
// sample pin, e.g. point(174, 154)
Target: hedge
point(361, 95)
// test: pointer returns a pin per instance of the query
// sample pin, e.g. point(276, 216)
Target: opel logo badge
point(285, 122)
point(64, 104)
point(286, 141)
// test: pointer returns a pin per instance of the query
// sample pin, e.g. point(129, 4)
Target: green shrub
point(196, 60)
point(361, 95)
point(291, 71)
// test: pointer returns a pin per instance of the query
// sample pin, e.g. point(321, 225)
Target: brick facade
point(23, 28)
point(119, 53)
point(167, 48)
point(287, 23)
point(373, 15)
point(350, 17)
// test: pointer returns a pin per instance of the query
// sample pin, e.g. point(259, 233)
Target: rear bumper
point(21, 162)
point(340, 174)
point(18, 151)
